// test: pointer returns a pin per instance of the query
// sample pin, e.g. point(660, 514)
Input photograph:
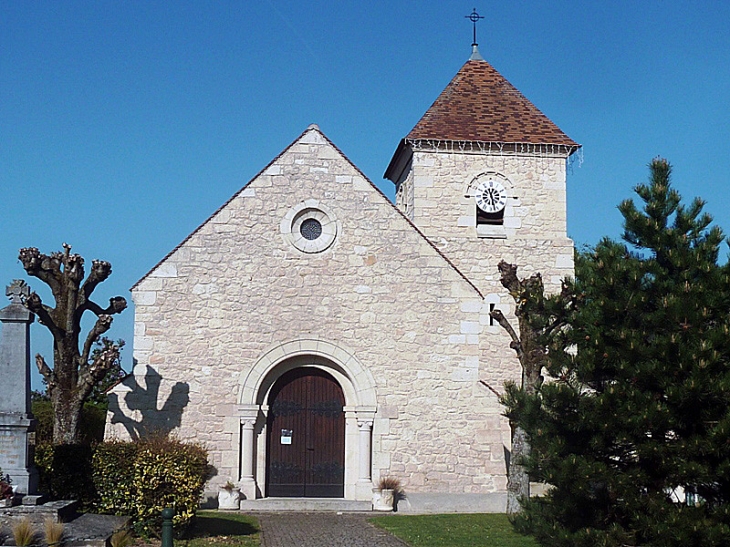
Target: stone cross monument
point(16, 419)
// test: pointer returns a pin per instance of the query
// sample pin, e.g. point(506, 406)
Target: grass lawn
point(472, 530)
point(218, 529)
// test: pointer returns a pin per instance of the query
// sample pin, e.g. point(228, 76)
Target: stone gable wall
point(237, 287)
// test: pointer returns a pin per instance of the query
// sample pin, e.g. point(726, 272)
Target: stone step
point(91, 530)
point(86, 530)
point(57, 511)
point(305, 504)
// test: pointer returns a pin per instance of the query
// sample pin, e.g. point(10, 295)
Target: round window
point(310, 227)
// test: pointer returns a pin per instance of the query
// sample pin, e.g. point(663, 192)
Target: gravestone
point(16, 420)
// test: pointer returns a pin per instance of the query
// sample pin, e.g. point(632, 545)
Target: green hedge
point(140, 479)
point(65, 472)
point(113, 465)
point(137, 479)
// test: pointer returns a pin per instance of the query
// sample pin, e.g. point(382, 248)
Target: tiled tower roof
point(480, 105)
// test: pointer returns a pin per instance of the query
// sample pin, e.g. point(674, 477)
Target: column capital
point(365, 414)
point(365, 425)
point(248, 413)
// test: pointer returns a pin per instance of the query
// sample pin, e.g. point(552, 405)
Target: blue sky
point(124, 125)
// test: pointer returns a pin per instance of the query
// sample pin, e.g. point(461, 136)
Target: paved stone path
point(323, 530)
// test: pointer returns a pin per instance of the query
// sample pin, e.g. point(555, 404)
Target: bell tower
point(483, 175)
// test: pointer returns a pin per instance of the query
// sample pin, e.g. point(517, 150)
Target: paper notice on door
point(286, 435)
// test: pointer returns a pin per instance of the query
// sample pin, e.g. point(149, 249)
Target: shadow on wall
point(142, 402)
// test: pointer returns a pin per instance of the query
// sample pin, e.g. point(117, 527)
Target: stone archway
point(358, 387)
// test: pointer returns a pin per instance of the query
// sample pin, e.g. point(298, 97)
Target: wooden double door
point(305, 453)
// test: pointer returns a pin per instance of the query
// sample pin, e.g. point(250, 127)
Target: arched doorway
point(305, 445)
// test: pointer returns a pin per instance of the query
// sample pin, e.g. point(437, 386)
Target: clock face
point(491, 196)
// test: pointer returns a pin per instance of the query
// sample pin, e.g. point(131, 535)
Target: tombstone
point(16, 420)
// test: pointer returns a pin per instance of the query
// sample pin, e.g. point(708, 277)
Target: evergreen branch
point(490, 388)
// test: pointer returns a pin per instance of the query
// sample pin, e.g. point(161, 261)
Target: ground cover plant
point(472, 530)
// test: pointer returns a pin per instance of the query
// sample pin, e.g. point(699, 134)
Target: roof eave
point(471, 145)
point(399, 161)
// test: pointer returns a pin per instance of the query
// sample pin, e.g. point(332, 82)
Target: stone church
point(316, 337)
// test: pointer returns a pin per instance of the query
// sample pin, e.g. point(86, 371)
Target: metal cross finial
point(474, 17)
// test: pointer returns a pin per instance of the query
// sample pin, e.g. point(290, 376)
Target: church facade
point(316, 337)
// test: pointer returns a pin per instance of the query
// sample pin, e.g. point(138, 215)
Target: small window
point(483, 217)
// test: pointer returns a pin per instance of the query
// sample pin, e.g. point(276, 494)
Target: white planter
point(229, 499)
point(383, 500)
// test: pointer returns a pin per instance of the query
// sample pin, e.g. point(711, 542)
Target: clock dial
point(490, 195)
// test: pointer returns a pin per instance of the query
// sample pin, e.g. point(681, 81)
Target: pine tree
point(636, 413)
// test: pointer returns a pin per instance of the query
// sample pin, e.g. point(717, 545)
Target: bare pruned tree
point(539, 317)
point(76, 368)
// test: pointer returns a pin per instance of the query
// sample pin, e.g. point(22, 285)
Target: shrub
point(43, 414)
point(6, 491)
point(390, 483)
point(121, 538)
point(43, 460)
point(65, 472)
point(113, 464)
point(140, 479)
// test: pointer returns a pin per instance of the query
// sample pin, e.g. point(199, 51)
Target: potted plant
point(229, 496)
point(386, 494)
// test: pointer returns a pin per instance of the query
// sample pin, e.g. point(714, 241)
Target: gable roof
point(479, 104)
point(313, 127)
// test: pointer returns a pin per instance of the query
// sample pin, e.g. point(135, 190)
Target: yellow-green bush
point(113, 466)
point(140, 479)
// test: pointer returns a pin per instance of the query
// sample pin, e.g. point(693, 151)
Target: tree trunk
point(518, 481)
point(67, 412)
point(534, 322)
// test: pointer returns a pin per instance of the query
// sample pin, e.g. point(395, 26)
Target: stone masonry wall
point(534, 219)
point(237, 286)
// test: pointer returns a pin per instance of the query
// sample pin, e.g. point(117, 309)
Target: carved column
point(248, 416)
point(247, 455)
point(366, 430)
point(16, 420)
